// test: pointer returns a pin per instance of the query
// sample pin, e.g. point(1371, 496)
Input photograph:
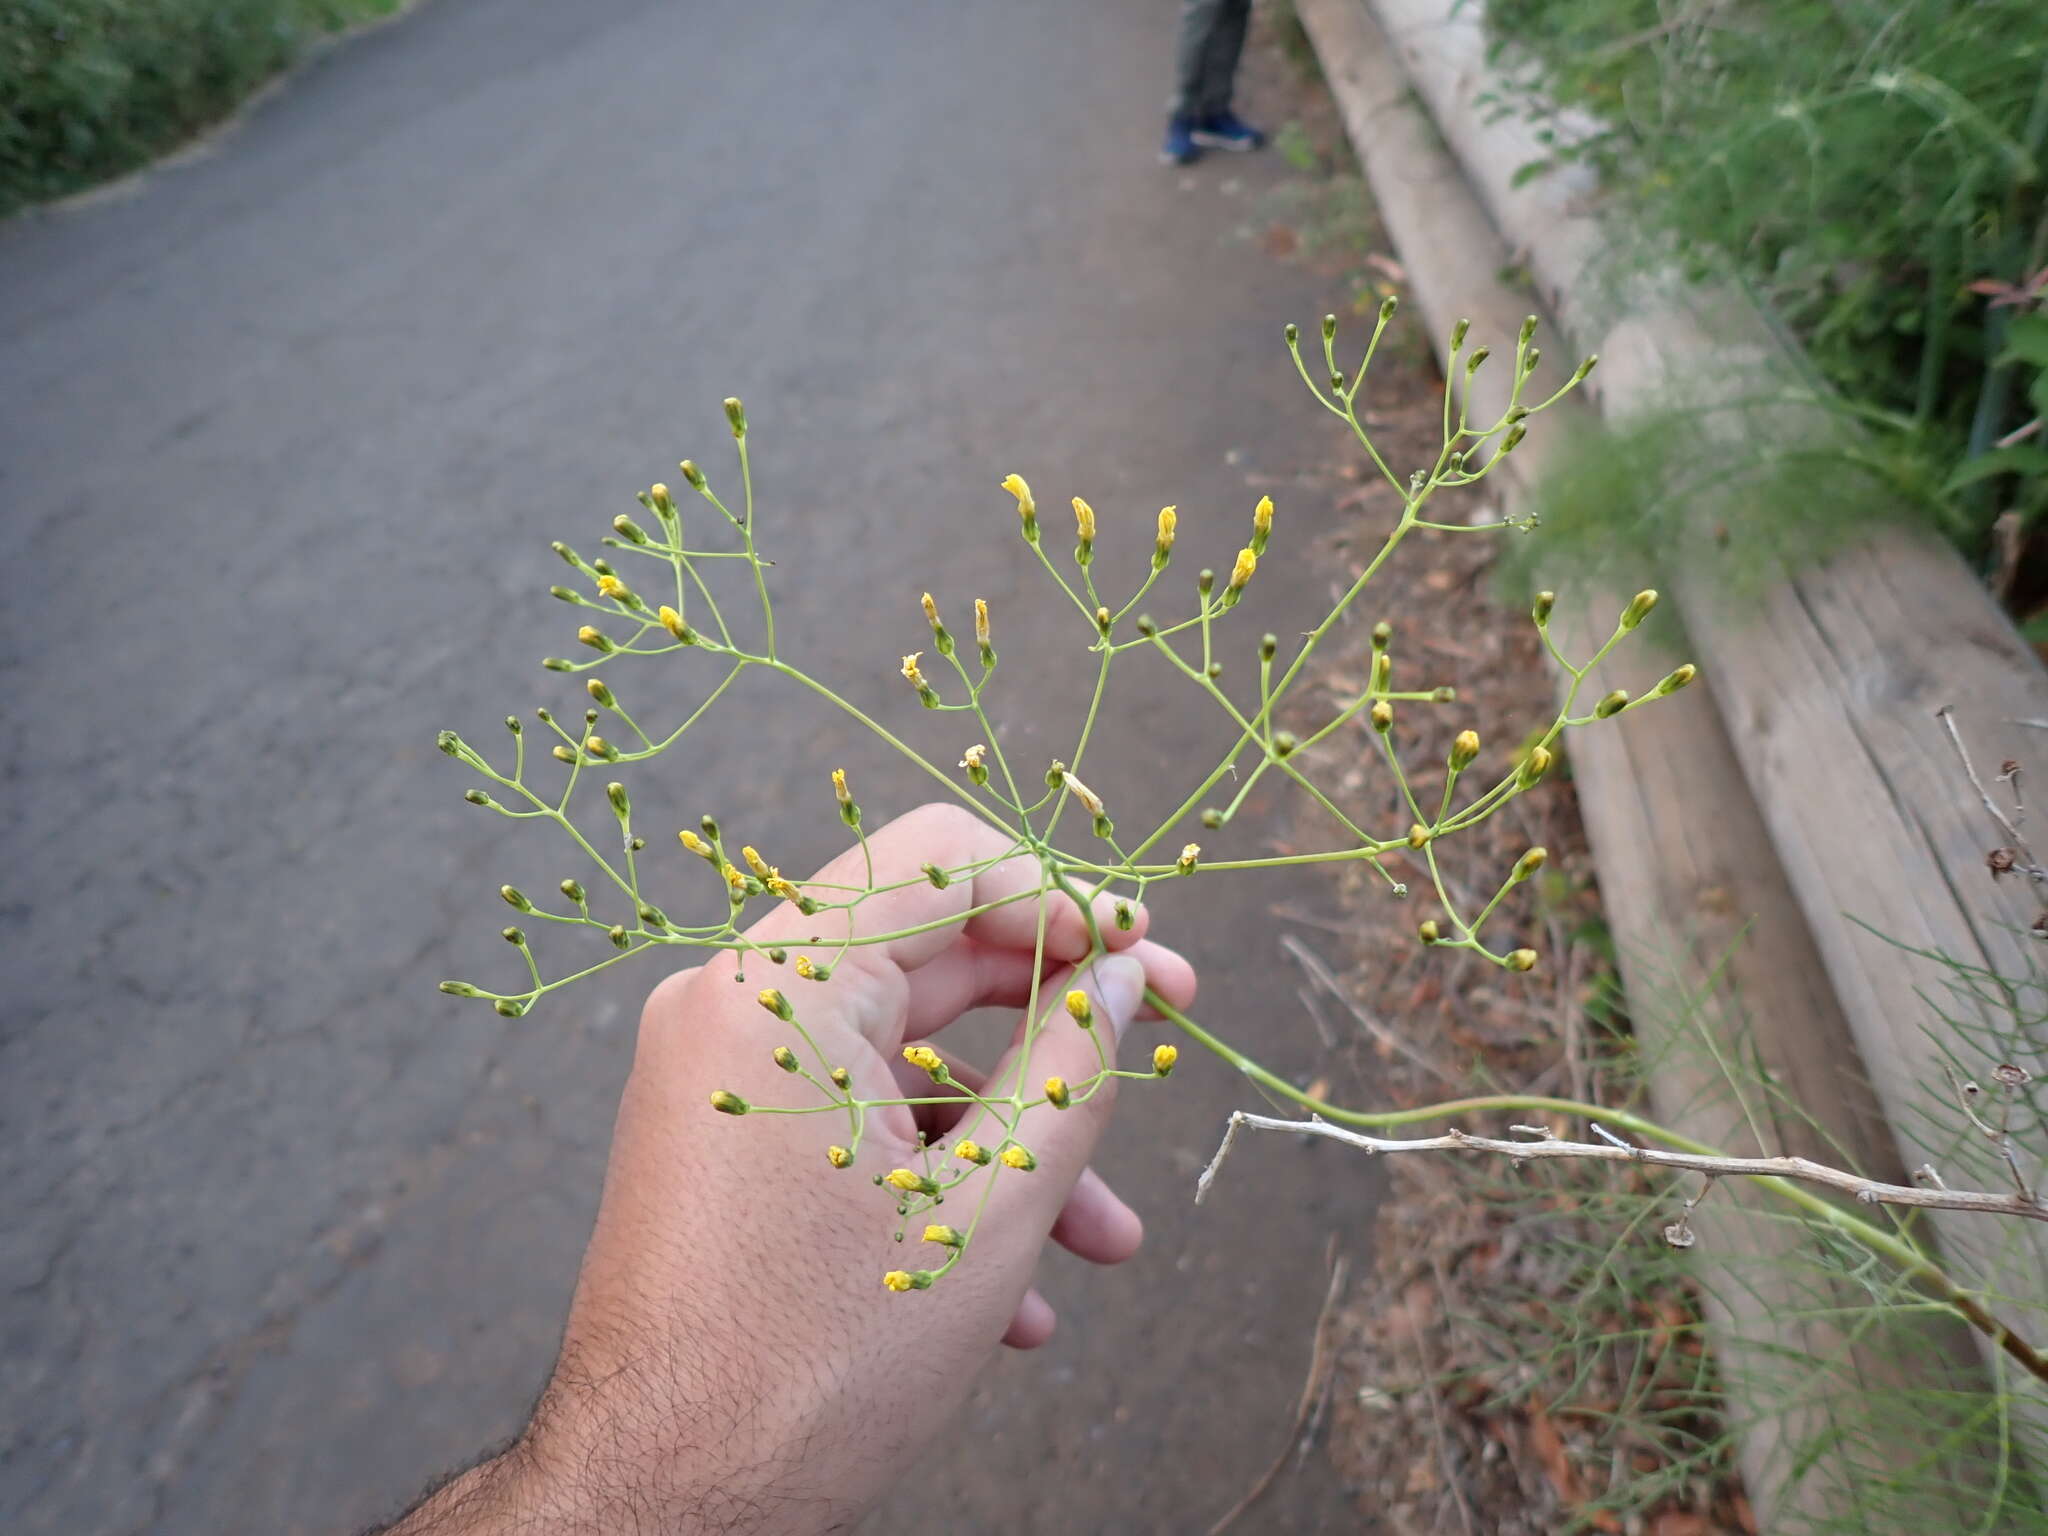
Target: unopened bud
point(663, 502)
point(1262, 524)
point(673, 622)
point(1612, 705)
point(1382, 635)
point(1293, 334)
point(515, 898)
point(1284, 743)
point(910, 1182)
point(1479, 355)
point(773, 1000)
point(1427, 931)
point(1533, 767)
point(1458, 333)
point(1638, 608)
point(1240, 575)
point(573, 889)
point(1057, 1093)
point(600, 749)
point(1162, 544)
point(1464, 748)
point(1418, 836)
point(478, 797)
point(839, 1157)
point(1205, 581)
point(971, 1152)
point(628, 530)
point(692, 474)
point(1019, 1158)
point(908, 1280)
point(507, 1008)
point(1530, 862)
point(1211, 818)
point(785, 1058)
point(1163, 1059)
point(1084, 532)
point(568, 555)
point(1387, 307)
point(938, 877)
point(728, 1103)
point(841, 1078)
point(513, 936)
point(1269, 646)
point(449, 743)
point(1027, 509)
point(1675, 681)
point(622, 804)
point(736, 416)
point(1382, 716)
point(595, 638)
point(1522, 960)
point(1585, 368)
point(1080, 1009)
point(458, 989)
point(1126, 918)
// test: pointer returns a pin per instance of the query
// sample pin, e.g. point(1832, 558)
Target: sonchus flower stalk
point(1101, 878)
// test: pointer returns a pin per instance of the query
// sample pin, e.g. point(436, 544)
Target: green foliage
point(92, 88)
point(1870, 168)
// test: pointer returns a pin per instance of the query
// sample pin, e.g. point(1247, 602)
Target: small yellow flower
point(971, 1152)
point(673, 623)
point(839, 1157)
point(909, 1182)
point(931, 609)
point(1188, 854)
point(1019, 1158)
point(782, 887)
point(1163, 1059)
point(612, 587)
point(975, 756)
point(947, 1237)
point(1169, 525)
point(1015, 485)
point(981, 621)
point(755, 862)
point(1084, 521)
point(773, 1000)
point(805, 968)
point(733, 877)
point(912, 673)
point(898, 1280)
point(1079, 1009)
point(1242, 572)
point(925, 1059)
point(1382, 716)
point(1056, 1092)
point(1464, 749)
point(1262, 515)
point(695, 844)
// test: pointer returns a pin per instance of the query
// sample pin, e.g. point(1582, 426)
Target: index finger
point(990, 897)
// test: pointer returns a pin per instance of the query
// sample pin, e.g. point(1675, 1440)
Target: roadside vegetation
point(1872, 170)
point(90, 89)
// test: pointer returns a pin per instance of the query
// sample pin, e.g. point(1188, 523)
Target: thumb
point(1059, 1046)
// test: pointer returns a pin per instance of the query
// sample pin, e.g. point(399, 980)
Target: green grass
point(92, 88)
point(1868, 168)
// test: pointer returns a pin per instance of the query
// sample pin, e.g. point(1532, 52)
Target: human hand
point(732, 1360)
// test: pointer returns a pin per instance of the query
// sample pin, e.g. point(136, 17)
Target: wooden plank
point(1829, 682)
point(1698, 902)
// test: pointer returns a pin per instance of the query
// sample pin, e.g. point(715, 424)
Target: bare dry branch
point(1865, 1191)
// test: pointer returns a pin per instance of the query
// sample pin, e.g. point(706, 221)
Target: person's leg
point(1224, 41)
point(1216, 126)
point(1199, 22)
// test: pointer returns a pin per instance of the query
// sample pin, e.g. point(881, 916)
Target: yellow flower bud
point(1027, 509)
point(810, 970)
point(909, 1182)
point(839, 786)
point(1079, 1009)
point(754, 860)
point(1382, 717)
point(785, 1058)
point(946, 1237)
point(1428, 931)
point(673, 623)
point(728, 1103)
point(1464, 749)
point(1163, 1059)
point(1533, 767)
point(773, 1000)
point(1084, 521)
point(1262, 524)
point(1242, 572)
point(981, 621)
point(1189, 853)
point(1418, 836)
point(1162, 546)
point(1522, 960)
point(1056, 1093)
point(1675, 681)
point(898, 1280)
point(695, 844)
point(1017, 1157)
point(658, 494)
point(613, 588)
point(1530, 862)
point(839, 1157)
point(1638, 608)
point(925, 1059)
point(1612, 705)
point(971, 1152)
point(595, 638)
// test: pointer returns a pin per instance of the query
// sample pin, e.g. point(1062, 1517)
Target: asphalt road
point(286, 430)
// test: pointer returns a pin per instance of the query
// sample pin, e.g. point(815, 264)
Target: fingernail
point(1118, 982)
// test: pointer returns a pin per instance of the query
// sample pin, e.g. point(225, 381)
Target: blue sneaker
point(1226, 130)
point(1180, 147)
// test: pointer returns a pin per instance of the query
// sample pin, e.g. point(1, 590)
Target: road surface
point(287, 430)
